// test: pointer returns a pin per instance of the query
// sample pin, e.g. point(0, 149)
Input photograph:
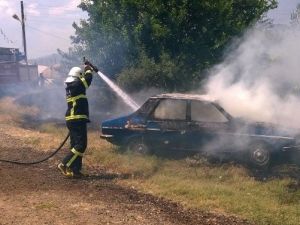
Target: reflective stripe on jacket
point(78, 109)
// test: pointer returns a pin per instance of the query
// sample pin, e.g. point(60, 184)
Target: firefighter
point(77, 117)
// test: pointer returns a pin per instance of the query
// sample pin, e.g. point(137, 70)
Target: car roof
point(185, 96)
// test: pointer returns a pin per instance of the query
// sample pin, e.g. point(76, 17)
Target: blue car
point(197, 123)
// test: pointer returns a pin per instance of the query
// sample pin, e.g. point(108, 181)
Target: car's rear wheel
point(138, 146)
point(259, 155)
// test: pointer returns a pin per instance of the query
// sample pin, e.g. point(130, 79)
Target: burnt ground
point(38, 194)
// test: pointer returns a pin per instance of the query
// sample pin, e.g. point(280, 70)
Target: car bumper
point(106, 136)
point(291, 148)
point(111, 138)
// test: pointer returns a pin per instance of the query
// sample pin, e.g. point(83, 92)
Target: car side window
point(171, 109)
point(206, 112)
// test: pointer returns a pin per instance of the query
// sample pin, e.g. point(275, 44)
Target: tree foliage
point(162, 43)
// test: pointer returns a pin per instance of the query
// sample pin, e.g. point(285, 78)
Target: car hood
point(119, 122)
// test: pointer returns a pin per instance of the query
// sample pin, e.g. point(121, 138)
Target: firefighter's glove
point(87, 67)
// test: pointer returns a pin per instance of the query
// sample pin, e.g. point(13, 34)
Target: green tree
point(177, 39)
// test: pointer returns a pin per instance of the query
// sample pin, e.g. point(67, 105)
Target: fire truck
point(12, 70)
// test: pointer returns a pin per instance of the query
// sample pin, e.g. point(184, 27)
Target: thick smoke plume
point(260, 78)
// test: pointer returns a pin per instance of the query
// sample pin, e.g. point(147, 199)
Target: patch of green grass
point(45, 206)
point(126, 162)
point(225, 188)
point(32, 141)
point(240, 195)
point(53, 128)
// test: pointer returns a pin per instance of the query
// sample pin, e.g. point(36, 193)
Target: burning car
point(197, 123)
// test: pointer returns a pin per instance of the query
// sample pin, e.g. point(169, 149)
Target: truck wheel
point(138, 146)
point(259, 155)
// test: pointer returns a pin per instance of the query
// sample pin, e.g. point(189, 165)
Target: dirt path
point(38, 194)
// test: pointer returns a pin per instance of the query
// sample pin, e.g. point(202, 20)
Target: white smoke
point(260, 79)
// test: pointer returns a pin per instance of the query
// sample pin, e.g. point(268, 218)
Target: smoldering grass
point(15, 111)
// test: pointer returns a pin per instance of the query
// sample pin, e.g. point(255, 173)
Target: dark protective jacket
point(78, 108)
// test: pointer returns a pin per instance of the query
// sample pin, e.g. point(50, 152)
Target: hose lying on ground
point(41, 160)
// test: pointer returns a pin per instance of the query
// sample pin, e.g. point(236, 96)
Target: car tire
point(259, 155)
point(138, 146)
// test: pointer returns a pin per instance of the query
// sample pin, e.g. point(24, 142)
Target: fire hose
point(41, 160)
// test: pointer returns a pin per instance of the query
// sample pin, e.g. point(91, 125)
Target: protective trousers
point(78, 141)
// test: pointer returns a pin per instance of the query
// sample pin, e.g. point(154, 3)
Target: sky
point(281, 15)
point(49, 23)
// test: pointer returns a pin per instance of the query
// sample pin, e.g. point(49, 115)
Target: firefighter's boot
point(65, 170)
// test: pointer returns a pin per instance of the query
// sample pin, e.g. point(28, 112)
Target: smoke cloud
point(260, 78)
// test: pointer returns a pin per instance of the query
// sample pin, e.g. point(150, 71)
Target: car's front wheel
point(138, 146)
point(259, 155)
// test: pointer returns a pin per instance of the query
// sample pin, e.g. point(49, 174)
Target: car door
point(167, 124)
point(208, 127)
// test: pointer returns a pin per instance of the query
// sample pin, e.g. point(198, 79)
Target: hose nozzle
point(88, 63)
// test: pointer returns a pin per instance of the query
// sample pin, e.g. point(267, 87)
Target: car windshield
point(147, 107)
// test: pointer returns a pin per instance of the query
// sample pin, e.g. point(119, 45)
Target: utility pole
point(23, 31)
